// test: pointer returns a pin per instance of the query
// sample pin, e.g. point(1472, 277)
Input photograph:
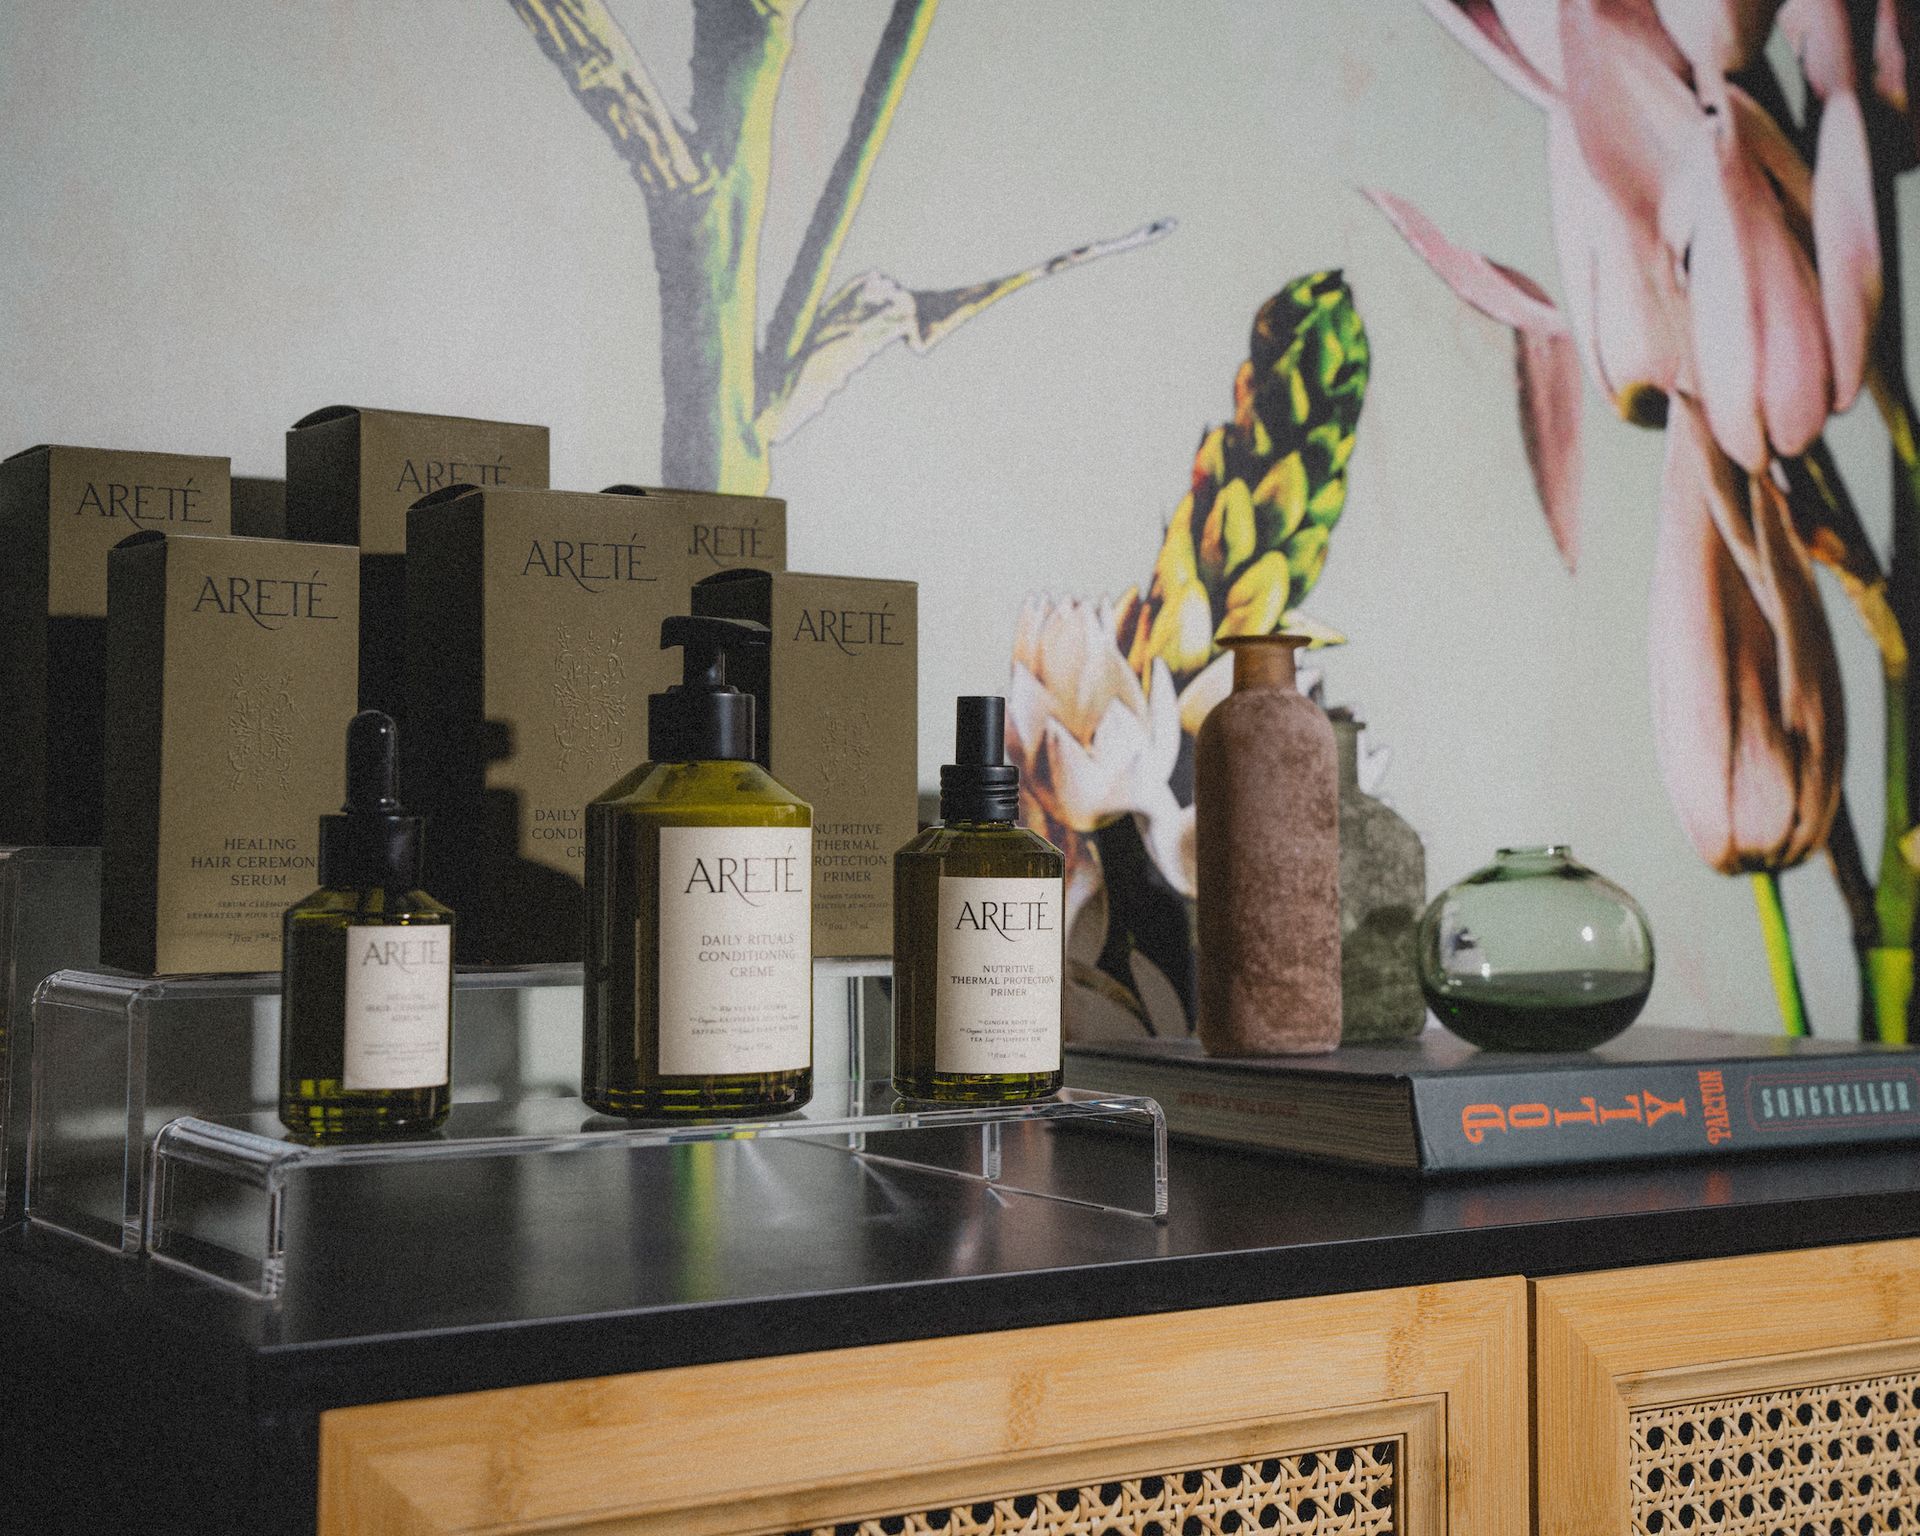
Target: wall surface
point(214, 219)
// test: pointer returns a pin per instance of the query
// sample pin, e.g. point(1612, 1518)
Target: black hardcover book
point(1438, 1105)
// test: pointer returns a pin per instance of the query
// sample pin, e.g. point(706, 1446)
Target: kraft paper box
point(533, 643)
point(837, 724)
point(227, 706)
point(725, 532)
point(61, 510)
point(259, 507)
point(351, 475)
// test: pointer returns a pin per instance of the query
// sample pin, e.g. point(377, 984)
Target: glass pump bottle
point(366, 1001)
point(699, 972)
point(978, 942)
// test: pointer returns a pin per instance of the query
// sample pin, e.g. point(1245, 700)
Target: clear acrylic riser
point(49, 921)
point(220, 1195)
point(153, 1128)
point(118, 1056)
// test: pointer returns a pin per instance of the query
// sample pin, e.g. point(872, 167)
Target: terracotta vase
point(1267, 807)
point(1383, 889)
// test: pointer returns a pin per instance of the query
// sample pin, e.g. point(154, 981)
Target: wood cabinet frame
point(1607, 1344)
point(794, 1441)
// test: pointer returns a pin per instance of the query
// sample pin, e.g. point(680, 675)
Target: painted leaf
point(1846, 226)
point(873, 312)
point(1546, 361)
point(1759, 327)
point(1719, 37)
point(1480, 27)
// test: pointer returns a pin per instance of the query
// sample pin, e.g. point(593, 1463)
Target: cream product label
point(736, 951)
point(999, 976)
point(399, 997)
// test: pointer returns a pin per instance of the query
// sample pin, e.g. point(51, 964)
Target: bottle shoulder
point(985, 850)
point(347, 905)
point(710, 791)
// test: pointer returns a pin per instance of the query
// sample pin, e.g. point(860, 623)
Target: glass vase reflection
point(1536, 952)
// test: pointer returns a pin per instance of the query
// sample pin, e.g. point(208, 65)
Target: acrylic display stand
point(117, 1056)
point(153, 1127)
point(219, 1199)
point(49, 921)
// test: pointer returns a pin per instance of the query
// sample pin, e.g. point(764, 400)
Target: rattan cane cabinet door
point(1777, 1395)
point(1400, 1412)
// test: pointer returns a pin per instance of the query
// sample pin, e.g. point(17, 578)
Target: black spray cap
point(703, 718)
point(979, 784)
point(373, 842)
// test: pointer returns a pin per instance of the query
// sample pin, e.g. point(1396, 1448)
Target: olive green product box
point(351, 475)
point(227, 708)
point(259, 507)
point(838, 724)
point(724, 532)
point(533, 625)
point(61, 510)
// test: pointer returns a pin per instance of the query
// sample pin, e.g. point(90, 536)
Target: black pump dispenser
point(373, 843)
point(703, 718)
point(979, 784)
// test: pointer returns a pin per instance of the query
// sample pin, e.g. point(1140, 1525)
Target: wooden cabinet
point(1391, 1411)
point(1778, 1393)
point(1772, 1394)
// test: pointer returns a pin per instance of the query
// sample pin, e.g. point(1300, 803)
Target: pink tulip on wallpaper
point(1722, 265)
point(1746, 699)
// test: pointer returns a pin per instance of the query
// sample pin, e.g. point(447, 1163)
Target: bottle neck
point(1264, 661)
point(975, 821)
point(1540, 858)
point(1346, 742)
point(979, 793)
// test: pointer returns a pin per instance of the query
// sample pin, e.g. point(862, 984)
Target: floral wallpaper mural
point(1548, 361)
point(1723, 253)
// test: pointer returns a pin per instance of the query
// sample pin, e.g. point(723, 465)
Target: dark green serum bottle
point(978, 943)
point(366, 982)
point(699, 973)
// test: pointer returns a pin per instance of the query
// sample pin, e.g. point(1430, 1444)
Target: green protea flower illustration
point(1245, 546)
point(1250, 538)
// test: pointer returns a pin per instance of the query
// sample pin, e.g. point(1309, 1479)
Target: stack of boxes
point(176, 677)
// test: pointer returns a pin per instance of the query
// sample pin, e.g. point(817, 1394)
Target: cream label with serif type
point(999, 976)
point(736, 952)
point(399, 993)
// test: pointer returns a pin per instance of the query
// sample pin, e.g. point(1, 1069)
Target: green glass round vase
point(1536, 952)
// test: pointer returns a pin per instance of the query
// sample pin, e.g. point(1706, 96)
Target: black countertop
point(456, 1277)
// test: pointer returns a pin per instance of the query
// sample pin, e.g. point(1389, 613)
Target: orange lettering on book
point(1713, 1105)
point(1643, 1108)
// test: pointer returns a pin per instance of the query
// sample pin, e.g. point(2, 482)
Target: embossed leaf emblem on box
point(260, 714)
point(849, 736)
point(590, 695)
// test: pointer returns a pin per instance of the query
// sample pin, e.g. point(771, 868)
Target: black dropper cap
point(979, 784)
point(703, 718)
point(373, 842)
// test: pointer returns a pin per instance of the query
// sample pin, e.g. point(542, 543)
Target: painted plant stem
point(729, 395)
point(1780, 961)
point(1880, 914)
point(1849, 869)
point(1897, 893)
point(800, 300)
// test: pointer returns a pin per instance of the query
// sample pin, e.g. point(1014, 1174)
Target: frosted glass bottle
point(1266, 804)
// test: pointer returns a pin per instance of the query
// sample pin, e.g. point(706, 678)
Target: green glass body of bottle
point(699, 970)
point(978, 949)
point(633, 1014)
point(335, 1079)
point(366, 1003)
